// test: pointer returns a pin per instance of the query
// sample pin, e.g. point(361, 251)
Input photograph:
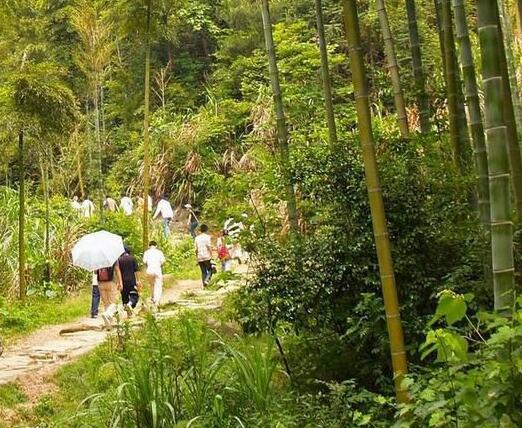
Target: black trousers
point(206, 271)
point(130, 295)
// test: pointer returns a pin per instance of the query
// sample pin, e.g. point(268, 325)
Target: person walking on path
point(108, 292)
point(165, 210)
point(203, 247)
point(110, 204)
point(154, 260)
point(141, 203)
point(87, 208)
point(95, 299)
point(192, 223)
point(128, 281)
point(75, 204)
point(223, 249)
point(126, 205)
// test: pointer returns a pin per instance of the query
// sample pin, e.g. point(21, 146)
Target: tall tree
point(146, 136)
point(418, 71)
point(380, 229)
point(515, 159)
point(393, 67)
point(498, 159)
point(452, 83)
point(94, 29)
point(325, 72)
point(473, 104)
point(282, 130)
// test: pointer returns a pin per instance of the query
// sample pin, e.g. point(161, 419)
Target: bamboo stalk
point(22, 289)
point(380, 229)
point(498, 159)
point(515, 159)
point(418, 71)
point(146, 136)
point(327, 86)
point(451, 83)
point(393, 68)
point(473, 104)
point(282, 131)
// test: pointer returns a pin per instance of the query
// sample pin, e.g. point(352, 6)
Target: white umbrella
point(97, 250)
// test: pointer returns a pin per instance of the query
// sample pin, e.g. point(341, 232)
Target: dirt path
point(42, 352)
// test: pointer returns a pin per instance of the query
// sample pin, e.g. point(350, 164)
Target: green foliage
point(327, 281)
point(10, 394)
point(65, 228)
point(478, 379)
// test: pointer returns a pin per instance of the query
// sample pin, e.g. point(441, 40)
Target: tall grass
point(180, 373)
point(65, 229)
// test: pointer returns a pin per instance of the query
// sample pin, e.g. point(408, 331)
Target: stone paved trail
point(45, 350)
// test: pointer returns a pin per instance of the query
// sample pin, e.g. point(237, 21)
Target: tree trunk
point(519, 19)
point(146, 137)
point(475, 116)
point(22, 290)
point(44, 167)
point(99, 146)
point(452, 88)
point(393, 67)
point(380, 230)
point(79, 166)
point(498, 159)
point(325, 71)
point(282, 131)
point(515, 159)
point(507, 28)
point(418, 71)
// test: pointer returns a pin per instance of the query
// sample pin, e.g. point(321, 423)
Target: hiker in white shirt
point(76, 206)
point(126, 205)
point(165, 210)
point(154, 259)
point(203, 247)
point(87, 208)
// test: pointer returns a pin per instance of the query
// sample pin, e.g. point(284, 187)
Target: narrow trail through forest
point(36, 356)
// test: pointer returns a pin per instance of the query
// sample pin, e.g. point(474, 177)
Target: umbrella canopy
point(97, 250)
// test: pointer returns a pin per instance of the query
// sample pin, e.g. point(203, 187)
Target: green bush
point(477, 377)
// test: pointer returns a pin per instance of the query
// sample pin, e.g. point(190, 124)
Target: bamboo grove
point(330, 128)
point(496, 167)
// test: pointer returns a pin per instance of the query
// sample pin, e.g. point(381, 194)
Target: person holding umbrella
point(98, 252)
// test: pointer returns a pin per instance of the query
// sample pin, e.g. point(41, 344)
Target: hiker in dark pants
point(203, 247)
point(95, 300)
point(128, 282)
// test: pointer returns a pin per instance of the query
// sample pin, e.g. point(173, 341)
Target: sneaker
point(94, 316)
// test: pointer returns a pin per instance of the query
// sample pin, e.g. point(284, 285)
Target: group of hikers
point(123, 277)
point(163, 210)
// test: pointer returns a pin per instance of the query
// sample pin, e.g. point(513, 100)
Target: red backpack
point(105, 274)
